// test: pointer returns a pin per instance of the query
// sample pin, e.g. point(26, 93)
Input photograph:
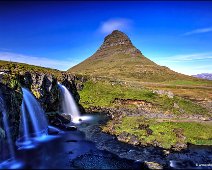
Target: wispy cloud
point(39, 61)
point(190, 57)
point(189, 64)
point(115, 24)
point(199, 31)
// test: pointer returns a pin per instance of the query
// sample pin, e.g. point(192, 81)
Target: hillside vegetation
point(15, 67)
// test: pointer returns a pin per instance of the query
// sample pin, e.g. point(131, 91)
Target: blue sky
point(62, 34)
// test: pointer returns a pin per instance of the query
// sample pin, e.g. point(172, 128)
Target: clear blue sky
point(62, 34)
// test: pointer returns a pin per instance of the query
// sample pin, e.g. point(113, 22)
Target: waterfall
point(10, 163)
point(69, 105)
point(7, 130)
point(24, 122)
point(37, 116)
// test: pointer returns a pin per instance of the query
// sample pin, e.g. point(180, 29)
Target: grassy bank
point(104, 93)
point(166, 134)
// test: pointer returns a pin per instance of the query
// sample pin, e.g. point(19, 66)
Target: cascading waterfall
point(69, 105)
point(24, 120)
point(34, 125)
point(9, 139)
point(11, 163)
point(33, 120)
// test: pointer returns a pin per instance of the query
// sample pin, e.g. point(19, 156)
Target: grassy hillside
point(15, 67)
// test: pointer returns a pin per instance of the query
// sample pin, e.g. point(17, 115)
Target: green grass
point(163, 132)
point(103, 94)
point(198, 82)
point(16, 68)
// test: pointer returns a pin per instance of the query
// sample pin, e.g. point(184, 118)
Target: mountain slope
point(118, 58)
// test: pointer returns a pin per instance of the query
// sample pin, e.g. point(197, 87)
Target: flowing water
point(31, 105)
point(69, 105)
point(9, 139)
point(33, 124)
point(10, 161)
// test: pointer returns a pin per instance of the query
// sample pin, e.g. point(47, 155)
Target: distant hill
point(16, 67)
point(118, 58)
point(207, 76)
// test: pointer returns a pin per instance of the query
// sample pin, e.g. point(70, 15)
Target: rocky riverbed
point(102, 150)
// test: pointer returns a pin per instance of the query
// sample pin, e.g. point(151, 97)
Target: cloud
point(108, 26)
point(189, 64)
point(190, 57)
point(199, 31)
point(39, 61)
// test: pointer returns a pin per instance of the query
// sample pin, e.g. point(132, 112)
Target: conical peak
point(117, 42)
point(117, 35)
point(116, 38)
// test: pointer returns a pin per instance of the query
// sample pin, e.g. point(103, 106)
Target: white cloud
point(39, 61)
point(190, 57)
point(199, 31)
point(121, 24)
point(189, 64)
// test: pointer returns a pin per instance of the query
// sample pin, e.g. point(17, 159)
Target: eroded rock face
point(117, 42)
point(45, 88)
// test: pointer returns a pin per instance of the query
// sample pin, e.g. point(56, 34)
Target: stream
point(89, 148)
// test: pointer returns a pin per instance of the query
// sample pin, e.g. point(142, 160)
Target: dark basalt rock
point(71, 128)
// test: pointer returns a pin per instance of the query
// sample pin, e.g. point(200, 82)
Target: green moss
point(104, 93)
point(195, 82)
point(165, 132)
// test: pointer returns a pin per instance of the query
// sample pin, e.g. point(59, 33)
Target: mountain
point(207, 76)
point(118, 58)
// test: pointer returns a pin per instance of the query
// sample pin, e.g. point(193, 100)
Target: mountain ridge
point(207, 76)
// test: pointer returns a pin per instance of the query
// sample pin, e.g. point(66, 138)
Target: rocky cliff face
point(117, 42)
point(45, 88)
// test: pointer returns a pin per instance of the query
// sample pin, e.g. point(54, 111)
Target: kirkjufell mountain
point(118, 58)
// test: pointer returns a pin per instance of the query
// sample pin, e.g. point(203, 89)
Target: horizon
point(60, 35)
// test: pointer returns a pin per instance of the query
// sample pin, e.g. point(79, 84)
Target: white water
point(7, 132)
point(31, 106)
point(69, 105)
point(9, 140)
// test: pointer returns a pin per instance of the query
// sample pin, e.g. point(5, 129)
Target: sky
point(61, 34)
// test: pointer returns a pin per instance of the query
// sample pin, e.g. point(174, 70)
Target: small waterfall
point(36, 114)
point(24, 120)
point(9, 139)
point(69, 105)
point(10, 163)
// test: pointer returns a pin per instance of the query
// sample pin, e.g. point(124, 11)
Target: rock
point(166, 152)
point(70, 152)
point(71, 140)
point(205, 118)
point(169, 94)
point(134, 140)
point(53, 131)
point(179, 146)
point(71, 128)
point(176, 106)
point(152, 165)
